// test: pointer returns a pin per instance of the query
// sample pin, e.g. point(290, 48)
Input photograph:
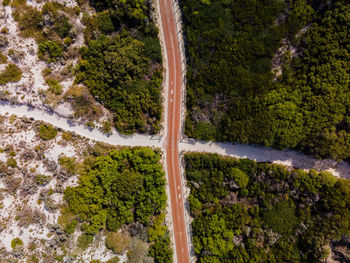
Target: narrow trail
point(261, 154)
point(68, 125)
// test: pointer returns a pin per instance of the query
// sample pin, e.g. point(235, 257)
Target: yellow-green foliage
point(12, 73)
point(68, 163)
point(16, 242)
point(83, 103)
point(85, 240)
point(29, 20)
point(129, 178)
point(11, 162)
point(54, 86)
point(118, 242)
point(50, 51)
point(47, 132)
point(294, 208)
point(3, 58)
point(42, 179)
point(158, 230)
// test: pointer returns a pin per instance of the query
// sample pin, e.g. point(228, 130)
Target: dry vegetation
point(35, 168)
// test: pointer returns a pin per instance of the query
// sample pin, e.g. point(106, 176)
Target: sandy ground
point(32, 86)
point(68, 125)
point(21, 136)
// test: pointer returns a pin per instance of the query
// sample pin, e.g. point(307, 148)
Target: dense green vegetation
point(123, 71)
point(47, 132)
point(12, 73)
point(50, 51)
point(124, 188)
point(231, 92)
point(117, 73)
point(257, 212)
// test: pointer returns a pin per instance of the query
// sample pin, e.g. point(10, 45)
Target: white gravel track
point(261, 154)
point(69, 125)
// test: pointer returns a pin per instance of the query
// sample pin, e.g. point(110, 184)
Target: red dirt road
point(174, 126)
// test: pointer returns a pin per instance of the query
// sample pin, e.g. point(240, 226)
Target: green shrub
point(70, 228)
point(30, 20)
point(68, 163)
point(113, 260)
point(16, 242)
point(3, 58)
point(50, 51)
point(107, 127)
point(54, 86)
point(129, 178)
point(281, 218)
point(67, 41)
point(161, 250)
point(11, 162)
point(47, 132)
point(118, 242)
point(63, 27)
point(85, 240)
point(58, 13)
point(12, 73)
point(42, 179)
point(240, 177)
point(104, 22)
point(6, 2)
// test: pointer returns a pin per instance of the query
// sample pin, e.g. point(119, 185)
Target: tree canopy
point(121, 64)
point(276, 215)
point(122, 188)
point(232, 93)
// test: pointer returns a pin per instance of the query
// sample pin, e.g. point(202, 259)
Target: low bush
point(11, 162)
point(54, 86)
point(42, 179)
point(12, 73)
point(68, 163)
point(113, 260)
point(118, 242)
point(67, 136)
point(85, 240)
point(30, 20)
point(83, 103)
point(6, 2)
point(107, 127)
point(50, 51)
point(16, 242)
point(47, 132)
point(70, 228)
point(138, 251)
